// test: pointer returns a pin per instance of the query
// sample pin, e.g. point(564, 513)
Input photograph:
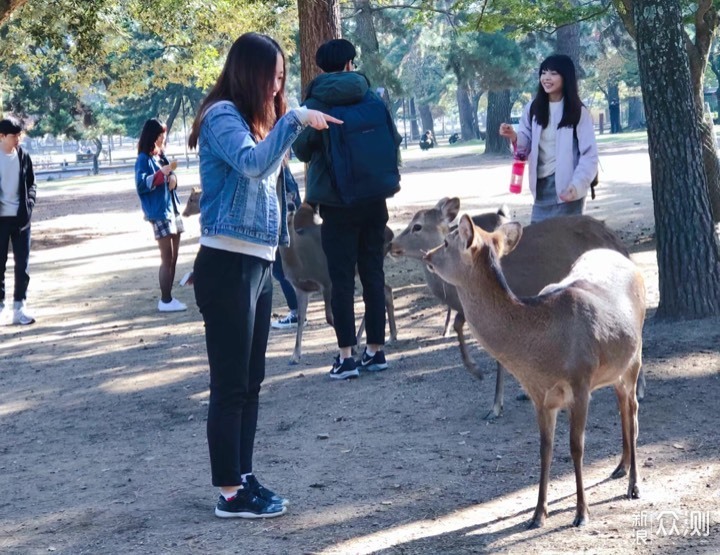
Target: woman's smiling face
point(552, 82)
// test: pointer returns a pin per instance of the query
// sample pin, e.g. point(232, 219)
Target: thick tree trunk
point(498, 112)
point(7, 7)
point(370, 61)
point(568, 43)
point(687, 248)
point(465, 112)
point(636, 117)
point(426, 118)
point(710, 157)
point(319, 23)
point(414, 131)
point(613, 95)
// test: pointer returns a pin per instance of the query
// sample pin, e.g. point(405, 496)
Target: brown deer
point(305, 267)
point(192, 206)
point(545, 255)
point(574, 337)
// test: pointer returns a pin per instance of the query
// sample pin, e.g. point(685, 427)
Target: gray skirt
point(546, 204)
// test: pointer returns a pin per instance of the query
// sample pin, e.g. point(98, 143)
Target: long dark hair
point(572, 108)
point(152, 129)
point(247, 80)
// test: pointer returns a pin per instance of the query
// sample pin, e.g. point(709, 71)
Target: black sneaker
point(246, 504)
point(348, 369)
point(263, 493)
point(375, 363)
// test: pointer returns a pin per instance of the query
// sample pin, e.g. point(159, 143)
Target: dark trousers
point(288, 290)
point(355, 236)
point(234, 294)
point(10, 232)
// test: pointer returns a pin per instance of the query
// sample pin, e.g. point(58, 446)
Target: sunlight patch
point(141, 382)
point(15, 406)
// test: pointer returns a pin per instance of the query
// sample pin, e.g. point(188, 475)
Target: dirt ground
point(103, 404)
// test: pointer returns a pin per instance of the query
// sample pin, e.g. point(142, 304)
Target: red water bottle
point(516, 176)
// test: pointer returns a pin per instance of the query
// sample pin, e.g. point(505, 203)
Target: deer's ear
point(449, 208)
point(466, 230)
point(507, 237)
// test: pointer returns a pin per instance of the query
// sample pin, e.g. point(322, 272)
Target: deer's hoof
point(581, 519)
point(536, 522)
point(619, 472)
point(294, 361)
point(522, 396)
point(494, 414)
point(633, 492)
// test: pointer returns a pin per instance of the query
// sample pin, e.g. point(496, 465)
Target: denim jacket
point(158, 202)
point(239, 176)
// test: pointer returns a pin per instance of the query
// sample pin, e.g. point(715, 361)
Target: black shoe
point(348, 369)
point(246, 504)
point(375, 363)
point(263, 493)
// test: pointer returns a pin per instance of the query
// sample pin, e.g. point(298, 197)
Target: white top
point(9, 183)
point(231, 244)
point(546, 158)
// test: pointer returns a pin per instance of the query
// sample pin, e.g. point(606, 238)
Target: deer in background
point(305, 267)
point(574, 337)
point(545, 255)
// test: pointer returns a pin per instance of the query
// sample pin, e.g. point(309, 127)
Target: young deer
point(305, 267)
point(574, 337)
point(544, 256)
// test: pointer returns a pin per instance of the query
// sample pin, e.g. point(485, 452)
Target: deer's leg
point(641, 385)
point(497, 408)
point(467, 361)
point(446, 329)
point(390, 307)
point(578, 419)
point(633, 486)
point(624, 407)
point(546, 421)
point(328, 306)
point(302, 298)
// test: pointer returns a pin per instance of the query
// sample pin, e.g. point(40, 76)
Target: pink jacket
point(579, 169)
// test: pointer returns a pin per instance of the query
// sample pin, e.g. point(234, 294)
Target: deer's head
point(470, 246)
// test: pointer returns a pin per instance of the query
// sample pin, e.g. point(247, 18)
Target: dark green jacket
point(324, 92)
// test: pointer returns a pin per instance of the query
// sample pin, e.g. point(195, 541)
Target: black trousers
point(10, 232)
point(355, 236)
point(234, 294)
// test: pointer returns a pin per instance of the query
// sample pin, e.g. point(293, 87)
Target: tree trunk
point(426, 118)
point(414, 131)
point(7, 7)
point(475, 101)
point(636, 117)
point(367, 41)
point(173, 113)
point(319, 22)
point(465, 112)
point(498, 112)
point(613, 95)
point(687, 248)
point(96, 155)
point(568, 43)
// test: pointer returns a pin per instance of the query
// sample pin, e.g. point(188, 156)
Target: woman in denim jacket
point(242, 137)
point(557, 136)
point(156, 186)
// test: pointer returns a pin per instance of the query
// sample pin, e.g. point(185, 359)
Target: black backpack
point(362, 154)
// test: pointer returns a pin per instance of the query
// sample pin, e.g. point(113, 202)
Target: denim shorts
point(165, 228)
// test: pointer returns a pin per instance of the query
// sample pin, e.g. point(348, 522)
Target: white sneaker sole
point(225, 514)
point(374, 367)
point(346, 375)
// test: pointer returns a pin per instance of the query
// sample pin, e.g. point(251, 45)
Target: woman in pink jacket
point(557, 136)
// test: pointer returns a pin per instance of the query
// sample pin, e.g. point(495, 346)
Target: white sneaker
point(172, 306)
point(20, 316)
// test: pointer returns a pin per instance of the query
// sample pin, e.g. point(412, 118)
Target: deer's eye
point(416, 228)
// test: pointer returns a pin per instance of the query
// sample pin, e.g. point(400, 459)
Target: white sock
point(229, 496)
point(293, 313)
point(244, 477)
point(370, 352)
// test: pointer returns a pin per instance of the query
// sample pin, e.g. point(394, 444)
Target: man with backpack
point(352, 170)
